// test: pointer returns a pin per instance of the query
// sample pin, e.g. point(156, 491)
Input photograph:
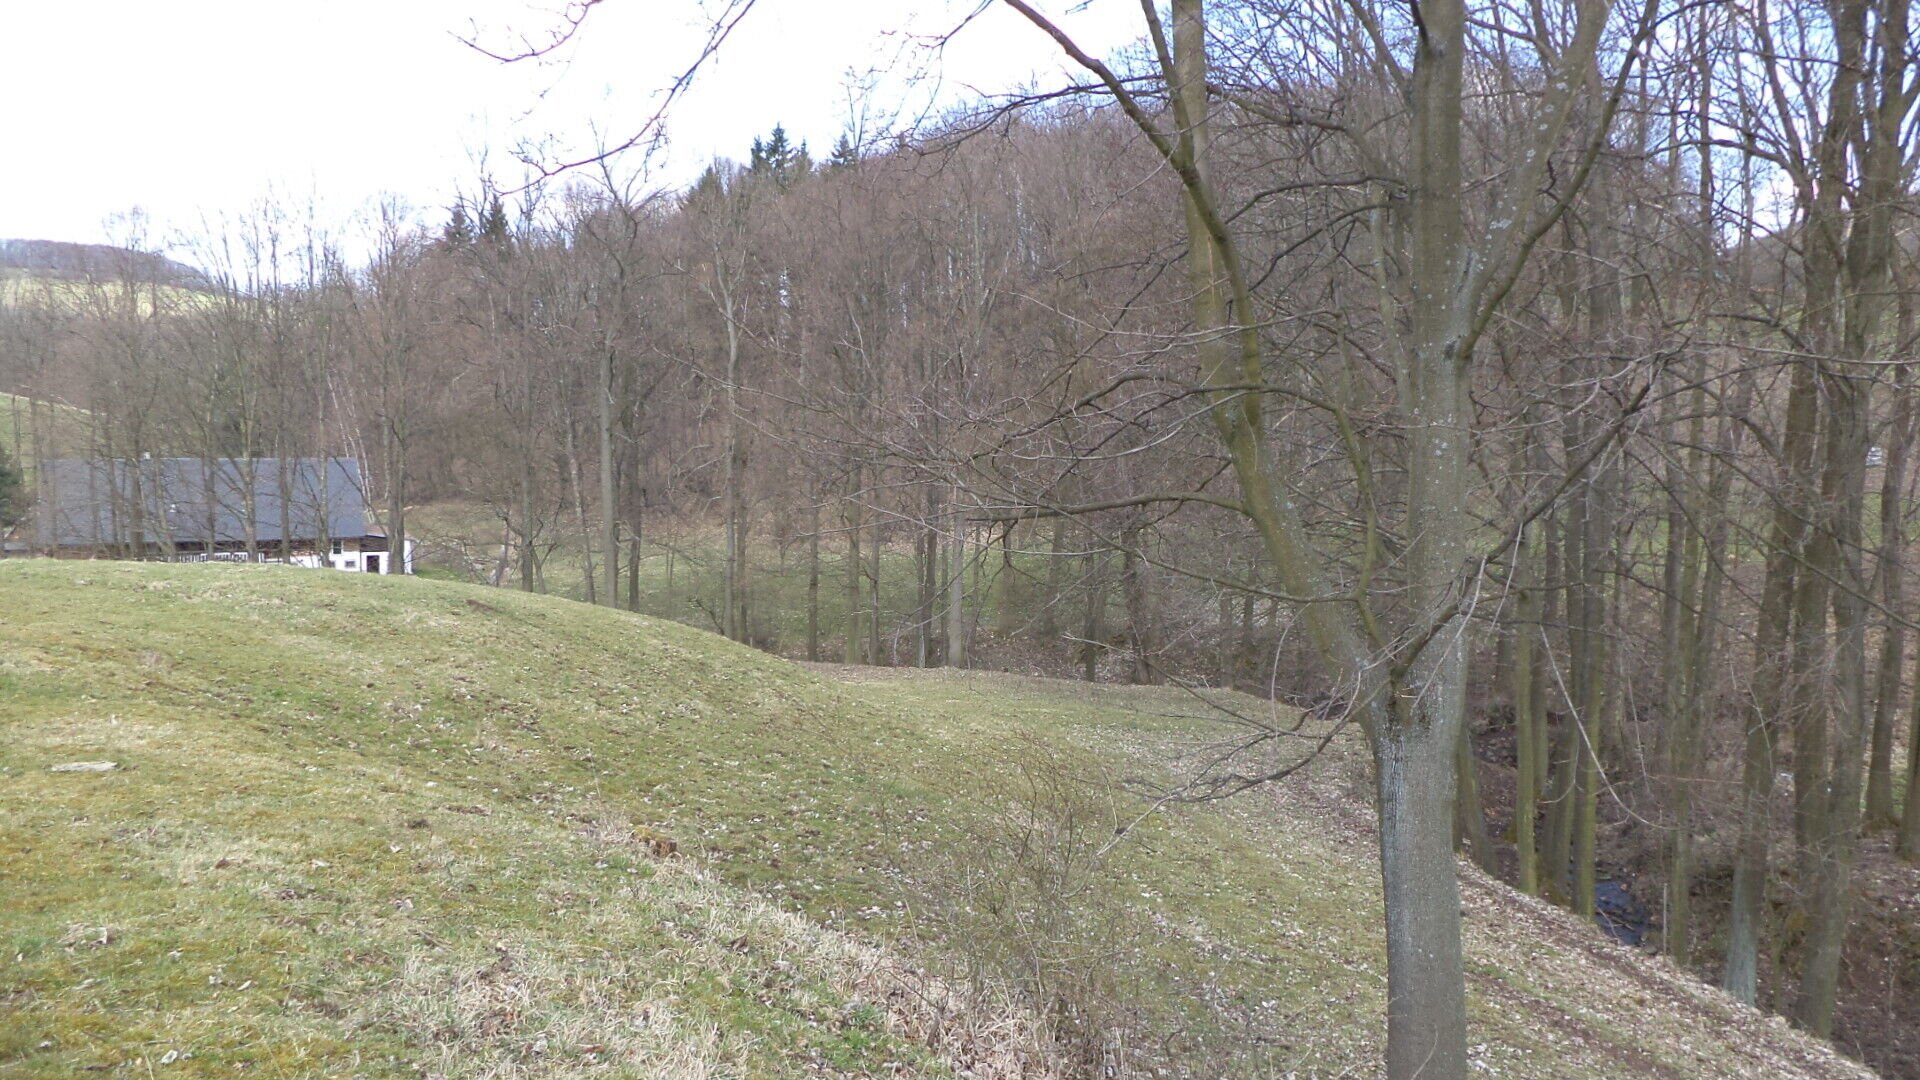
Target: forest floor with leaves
point(378, 826)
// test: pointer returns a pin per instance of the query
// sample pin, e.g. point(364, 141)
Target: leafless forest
point(1526, 384)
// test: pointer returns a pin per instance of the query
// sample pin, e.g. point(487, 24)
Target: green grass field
point(364, 826)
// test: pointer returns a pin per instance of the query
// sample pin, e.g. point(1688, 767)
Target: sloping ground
point(377, 826)
point(64, 295)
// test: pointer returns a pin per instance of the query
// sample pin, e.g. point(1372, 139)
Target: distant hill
point(82, 262)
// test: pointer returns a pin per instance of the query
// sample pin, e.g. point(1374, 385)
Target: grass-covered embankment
point(377, 826)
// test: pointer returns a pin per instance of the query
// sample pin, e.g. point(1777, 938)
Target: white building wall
point(345, 554)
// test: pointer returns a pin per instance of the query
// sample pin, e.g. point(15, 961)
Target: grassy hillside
point(377, 826)
point(31, 288)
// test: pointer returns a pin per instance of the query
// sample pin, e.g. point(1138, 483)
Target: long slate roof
point(84, 503)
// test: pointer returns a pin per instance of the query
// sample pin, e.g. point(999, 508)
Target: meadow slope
point(363, 826)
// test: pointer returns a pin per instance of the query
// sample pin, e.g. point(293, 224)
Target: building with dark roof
point(310, 511)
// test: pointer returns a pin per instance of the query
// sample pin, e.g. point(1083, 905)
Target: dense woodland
point(1527, 384)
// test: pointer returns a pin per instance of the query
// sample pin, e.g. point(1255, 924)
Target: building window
point(336, 547)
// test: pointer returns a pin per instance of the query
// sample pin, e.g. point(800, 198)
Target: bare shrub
point(1030, 905)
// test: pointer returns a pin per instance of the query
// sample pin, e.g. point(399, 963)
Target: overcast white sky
point(195, 109)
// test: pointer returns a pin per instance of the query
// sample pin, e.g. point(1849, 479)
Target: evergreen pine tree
point(494, 227)
point(459, 230)
point(711, 185)
point(844, 153)
point(13, 493)
point(776, 158)
point(774, 153)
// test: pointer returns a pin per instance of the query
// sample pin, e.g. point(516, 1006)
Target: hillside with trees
point(84, 262)
point(1524, 392)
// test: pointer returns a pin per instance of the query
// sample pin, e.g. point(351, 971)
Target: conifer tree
point(844, 153)
point(459, 230)
point(494, 225)
point(13, 496)
point(777, 158)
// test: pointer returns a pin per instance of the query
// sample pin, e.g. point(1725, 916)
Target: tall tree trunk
point(1426, 1009)
point(1568, 746)
point(1246, 630)
point(1835, 826)
point(854, 637)
point(1893, 639)
point(1415, 768)
point(743, 593)
point(1746, 918)
point(875, 653)
point(1223, 646)
point(633, 572)
point(609, 517)
point(527, 566)
point(1137, 590)
point(813, 579)
point(1597, 719)
point(956, 583)
point(1909, 843)
point(1695, 579)
point(1599, 548)
point(1056, 564)
point(283, 486)
point(1770, 697)
point(1885, 114)
point(397, 490)
point(1774, 691)
point(1701, 583)
point(637, 527)
point(248, 473)
point(1528, 752)
point(576, 481)
point(1469, 815)
point(732, 590)
point(1007, 611)
point(927, 568)
point(1870, 105)
point(1094, 636)
point(1673, 749)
